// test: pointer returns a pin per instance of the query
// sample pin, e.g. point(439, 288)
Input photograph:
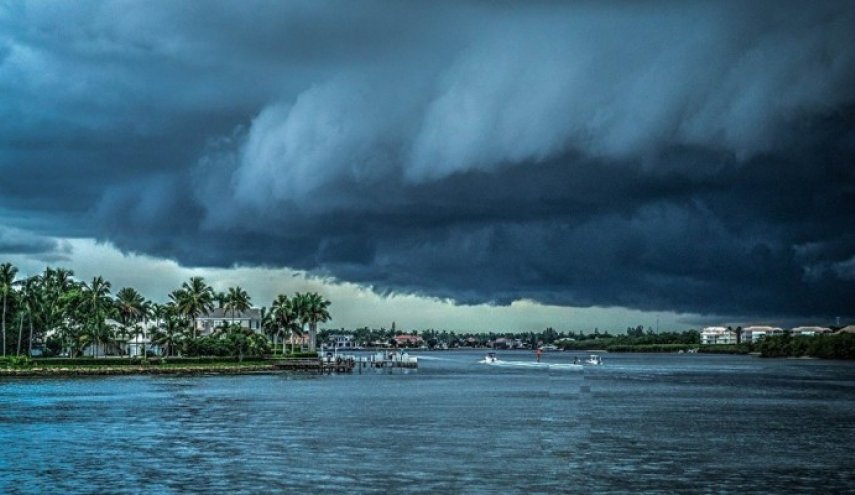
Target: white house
point(810, 331)
point(755, 333)
point(207, 323)
point(717, 335)
point(341, 341)
point(106, 348)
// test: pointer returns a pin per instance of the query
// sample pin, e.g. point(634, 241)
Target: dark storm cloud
point(15, 241)
point(668, 156)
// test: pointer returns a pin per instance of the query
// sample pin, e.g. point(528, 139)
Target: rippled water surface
point(640, 423)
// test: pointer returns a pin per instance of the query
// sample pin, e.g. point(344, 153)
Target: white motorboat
point(491, 358)
point(594, 360)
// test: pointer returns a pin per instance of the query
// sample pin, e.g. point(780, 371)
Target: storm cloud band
point(678, 156)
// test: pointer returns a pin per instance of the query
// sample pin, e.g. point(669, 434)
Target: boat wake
point(525, 364)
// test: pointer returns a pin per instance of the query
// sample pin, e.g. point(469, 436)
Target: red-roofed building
point(408, 340)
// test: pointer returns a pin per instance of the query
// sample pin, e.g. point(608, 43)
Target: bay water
point(640, 423)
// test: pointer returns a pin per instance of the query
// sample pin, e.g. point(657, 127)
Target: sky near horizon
point(460, 165)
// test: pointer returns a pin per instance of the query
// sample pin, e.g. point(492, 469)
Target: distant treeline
point(637, 342)
point(834, 346)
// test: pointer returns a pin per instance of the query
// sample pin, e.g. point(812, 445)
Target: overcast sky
point(449, 164)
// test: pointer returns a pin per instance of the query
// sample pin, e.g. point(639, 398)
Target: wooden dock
point(387, 361)
point(348, 363)
point(314, 365)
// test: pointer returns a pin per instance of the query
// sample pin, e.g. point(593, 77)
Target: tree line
point(832, 346)
point(548, 336)
point(56, 313)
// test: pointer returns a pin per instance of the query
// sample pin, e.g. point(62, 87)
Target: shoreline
point(96, 370)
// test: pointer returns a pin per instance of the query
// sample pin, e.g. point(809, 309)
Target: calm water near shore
point(641, 423)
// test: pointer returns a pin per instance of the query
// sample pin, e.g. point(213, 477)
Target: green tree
point(171, 331)
point(131, 308)
point(130, 305)
point(97, 305)
point(7, 278)
point(237, 301)
point(312, 309)
point(284, 314)
point(195, 298)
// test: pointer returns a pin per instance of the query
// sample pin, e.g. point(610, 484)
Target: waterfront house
point(718, 335)
point(107, 346)
point(407, 340)
point(341, 342)
point(809, 331)
point(754, 333)
point(140, 345)
point(207, 323)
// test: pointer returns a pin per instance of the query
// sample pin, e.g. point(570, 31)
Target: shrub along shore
point(22, 366)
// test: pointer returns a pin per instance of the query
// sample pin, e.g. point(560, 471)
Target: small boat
point(594, 360)
point(491, 358)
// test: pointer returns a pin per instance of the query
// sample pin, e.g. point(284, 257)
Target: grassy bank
point(22, 366)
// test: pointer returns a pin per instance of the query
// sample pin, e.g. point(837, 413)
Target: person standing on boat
point(538, 353)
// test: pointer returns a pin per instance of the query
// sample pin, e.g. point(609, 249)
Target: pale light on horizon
point(353, 306)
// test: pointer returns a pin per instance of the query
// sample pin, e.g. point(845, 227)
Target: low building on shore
point(341, 342)
point(407, 340)
point(809, 331)
point(718, 335)
point(207, 323)
point(755, 333)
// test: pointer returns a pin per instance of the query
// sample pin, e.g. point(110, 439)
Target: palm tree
point(30, 297)
point(131, 307)
point(194, 298)
point(269, 327)
point(312, 309)
point(7, 278)
point(57, 292)
point(96, 306)
point(221, 298)
point(171, 331)
point(285, 313)
point(237, 300)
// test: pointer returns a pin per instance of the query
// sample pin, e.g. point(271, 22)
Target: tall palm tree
point(131, 305)
point(57, 288)
point(285, 313)
point(96, 306)
point(237, 300)
point(30, 298)
point(7, 278)
point(171, 330)
point(194, 298)
point(221, 298)
point(131, 308)
point(312, 309)
point(269, 327)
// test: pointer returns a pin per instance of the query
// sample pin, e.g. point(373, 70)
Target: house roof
point(762, 328)
point(222, 314)
point(812, 329)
